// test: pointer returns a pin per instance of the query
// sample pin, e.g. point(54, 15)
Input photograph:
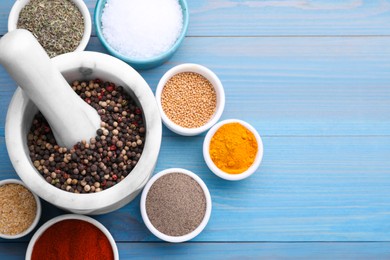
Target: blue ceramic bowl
point(147, 63)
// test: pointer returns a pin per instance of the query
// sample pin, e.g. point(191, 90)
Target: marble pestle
point(71, 119)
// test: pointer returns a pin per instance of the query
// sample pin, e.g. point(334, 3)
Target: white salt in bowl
point(228, 176)
point(38, 212)
point(155, 231)
point(218, 87)
point(141, 63)
point(55, 220)
point(19, 4)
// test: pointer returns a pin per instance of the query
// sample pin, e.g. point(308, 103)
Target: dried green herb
point(57, 24)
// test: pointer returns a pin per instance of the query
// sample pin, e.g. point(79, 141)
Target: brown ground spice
point(176, 204)
point(18, 209)
point(189, 99)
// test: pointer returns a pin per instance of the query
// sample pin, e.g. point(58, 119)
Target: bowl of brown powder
point(60, 26)
point(191, 99)
point(176, 205)
point(20, 209)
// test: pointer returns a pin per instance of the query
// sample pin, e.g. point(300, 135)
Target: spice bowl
point(176, 205)
point(209, 76)
point(24, 194)
point(86, 66)
point(20, 4)
point(148, 16)
point(253, 163)
point(72, 235)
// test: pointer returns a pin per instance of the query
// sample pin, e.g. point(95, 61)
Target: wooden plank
point(274, 18)
point(321, 251)
point(287, 86)
point(307, 189)
point(255, 251)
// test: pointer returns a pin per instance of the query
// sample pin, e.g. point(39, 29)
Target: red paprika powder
point(72, 239)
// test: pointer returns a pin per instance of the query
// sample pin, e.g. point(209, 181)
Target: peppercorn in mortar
point(103, 161)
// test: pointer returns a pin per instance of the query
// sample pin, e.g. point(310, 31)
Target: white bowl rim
point(60, 218)
point(88, 203)
point(38, 212)
point(19, 4)
point(219, 172)
point(209, 75)
point(202, 225)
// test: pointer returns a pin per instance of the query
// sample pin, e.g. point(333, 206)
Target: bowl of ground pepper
point(233, 149)
point(20, 209)
point(176, 205)
point(60, 26)
point(108, 171)
point(191, 99)
point(72, 237)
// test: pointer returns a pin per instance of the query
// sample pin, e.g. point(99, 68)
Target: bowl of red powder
point(233, 149)
point(73, 237)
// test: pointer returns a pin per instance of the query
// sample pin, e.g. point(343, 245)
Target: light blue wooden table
point(313, 77)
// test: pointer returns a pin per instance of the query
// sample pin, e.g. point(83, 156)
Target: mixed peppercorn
point(102, 161)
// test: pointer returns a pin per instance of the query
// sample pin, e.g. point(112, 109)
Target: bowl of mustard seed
point(191, 99)
point(20, 209)
point(60, 26)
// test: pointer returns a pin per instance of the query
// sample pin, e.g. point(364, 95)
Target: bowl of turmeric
point(233, 149)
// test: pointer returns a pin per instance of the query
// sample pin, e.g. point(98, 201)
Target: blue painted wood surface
point(313, 77)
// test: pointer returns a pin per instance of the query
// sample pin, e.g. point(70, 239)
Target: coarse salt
point(142, 28)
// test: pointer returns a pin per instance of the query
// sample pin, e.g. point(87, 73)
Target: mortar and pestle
point(44, 85)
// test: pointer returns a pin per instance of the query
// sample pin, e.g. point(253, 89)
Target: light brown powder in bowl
point(176, 204)
point(189, 99)
point(18, 209)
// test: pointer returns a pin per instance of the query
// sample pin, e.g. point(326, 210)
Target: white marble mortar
point(84, 66)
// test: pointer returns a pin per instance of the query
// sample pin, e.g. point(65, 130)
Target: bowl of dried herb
point(60, 26)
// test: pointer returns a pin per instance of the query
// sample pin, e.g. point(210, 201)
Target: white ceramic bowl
point(51, 222)
point(84, 66)
point(191, 235)
point(214, 80)
point(37, 216)
point(19, 4)
point(219, 172)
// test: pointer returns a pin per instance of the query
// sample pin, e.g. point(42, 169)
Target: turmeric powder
point(233, 148)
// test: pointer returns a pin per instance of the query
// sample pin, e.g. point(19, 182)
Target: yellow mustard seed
point(189, 99)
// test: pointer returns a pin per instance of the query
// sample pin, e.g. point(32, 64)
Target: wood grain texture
point(307, 189)
point(312, 76)
point(274, 18)
point(230, 251)
point(287, 86)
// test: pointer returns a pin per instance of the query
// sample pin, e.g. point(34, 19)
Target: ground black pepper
point(175, 204)
point(103, 161)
